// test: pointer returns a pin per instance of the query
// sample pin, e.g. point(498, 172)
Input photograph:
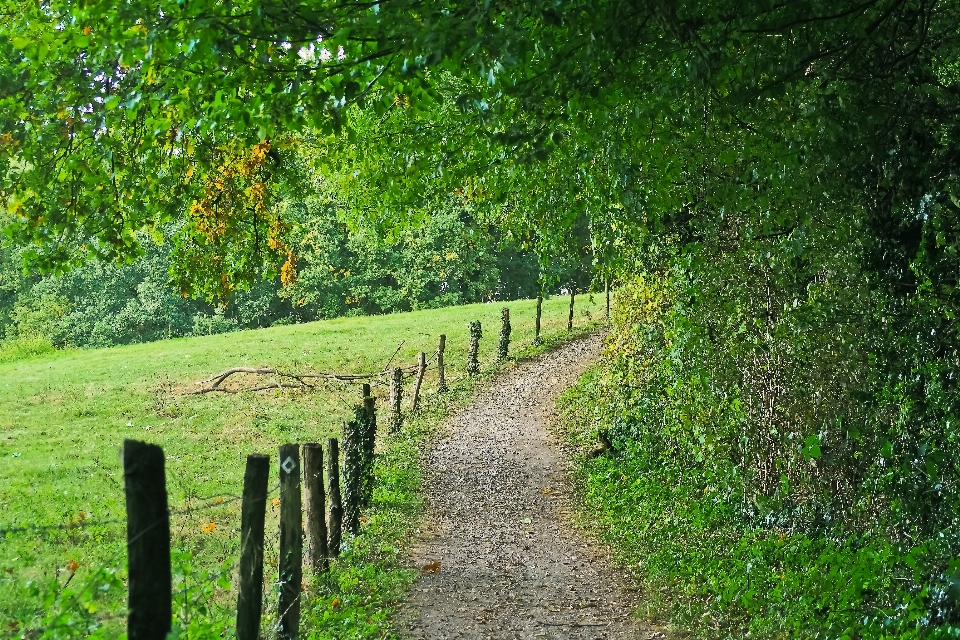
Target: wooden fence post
point(291, 542)
point(421, 369)
point(606, 290)
point(538, 340)
point(396, 399)
point(315, 504)
point(149, 582)
point(503, 347)
point(570, 317)
point(368, 442)
point(473, 361)
point(335, 515)
point(441, 381)
point(253, 511)
point(352, 476)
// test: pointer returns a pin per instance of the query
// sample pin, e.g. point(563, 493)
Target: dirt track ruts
point(511, 563)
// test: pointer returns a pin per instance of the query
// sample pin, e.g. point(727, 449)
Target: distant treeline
point(448, 260)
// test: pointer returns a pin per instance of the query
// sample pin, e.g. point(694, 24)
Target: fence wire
point(335, 382)
point(84, 523)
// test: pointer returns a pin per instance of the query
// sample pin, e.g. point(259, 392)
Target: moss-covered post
point(314, 508)
point(570, 317)
point(352, 477)
point(503, 347)
point(473, 359)
point(441, 380)
point(335, 514)
point(368, 442)
point(291, 542)
point(396, 399)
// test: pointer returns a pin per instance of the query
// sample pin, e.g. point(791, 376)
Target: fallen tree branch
point(220, 377)
point(300, 378)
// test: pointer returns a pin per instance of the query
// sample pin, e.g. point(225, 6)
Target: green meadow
point(64, 416)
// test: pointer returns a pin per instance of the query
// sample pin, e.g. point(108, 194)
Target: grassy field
point(64, 416)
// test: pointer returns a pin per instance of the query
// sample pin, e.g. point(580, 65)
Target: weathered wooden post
point(291, 542)
point(570, 317)
point(368, 442)
point(473, 361)
point(441, 381)
point(149, 581)
point(537, 341)
point(352, 476)
point(315, 503)
point(606, 291)
point(503, 347)
point(396, 399)
point(253, 512)
point(335, 515)
point(421, 369)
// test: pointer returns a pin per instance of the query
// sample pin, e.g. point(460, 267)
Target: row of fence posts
point(310, 508)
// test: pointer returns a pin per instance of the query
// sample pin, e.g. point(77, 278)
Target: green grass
point(64, 416)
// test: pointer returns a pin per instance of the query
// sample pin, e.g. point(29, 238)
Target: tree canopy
point(778, 181)
point(121, 117)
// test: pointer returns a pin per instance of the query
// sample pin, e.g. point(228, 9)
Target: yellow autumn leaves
point(235, 189)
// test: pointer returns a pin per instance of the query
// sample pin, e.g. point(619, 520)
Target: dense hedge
point(769, 480)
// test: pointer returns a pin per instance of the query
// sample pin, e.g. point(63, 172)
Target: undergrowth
point(681, 532)
point(24, 348)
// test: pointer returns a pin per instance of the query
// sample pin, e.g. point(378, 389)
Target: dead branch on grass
point(298, 380)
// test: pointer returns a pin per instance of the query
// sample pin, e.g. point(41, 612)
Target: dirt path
point(511, 564)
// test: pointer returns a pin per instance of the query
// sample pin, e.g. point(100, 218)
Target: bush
point(23, 348)
point(756, 488)
point(205, 325)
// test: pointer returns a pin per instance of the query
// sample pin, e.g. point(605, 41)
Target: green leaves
point(811, 448)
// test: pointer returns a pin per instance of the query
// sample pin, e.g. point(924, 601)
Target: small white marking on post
point(288, 465)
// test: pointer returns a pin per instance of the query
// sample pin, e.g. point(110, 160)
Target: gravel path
point(511, 565)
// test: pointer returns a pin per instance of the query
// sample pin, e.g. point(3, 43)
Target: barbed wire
point(83, 523)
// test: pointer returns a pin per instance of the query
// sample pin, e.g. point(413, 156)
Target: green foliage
point(23, 348)
point(70, 610)
point(197, 612)
point(756, 489)
point(450, 259)
point(101, 305)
